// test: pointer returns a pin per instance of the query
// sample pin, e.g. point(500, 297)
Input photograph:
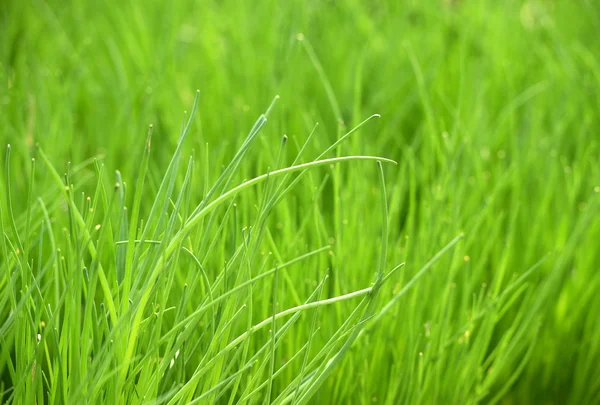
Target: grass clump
point(119, 313)
point(235, 259)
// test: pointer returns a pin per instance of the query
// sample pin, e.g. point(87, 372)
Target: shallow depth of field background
point(491, 109)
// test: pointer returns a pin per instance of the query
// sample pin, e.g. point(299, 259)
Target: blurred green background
point(491, 108)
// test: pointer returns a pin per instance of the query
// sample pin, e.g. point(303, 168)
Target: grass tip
point(300, 36)
point(285, 138)
point(117, 186)
point(266, 114)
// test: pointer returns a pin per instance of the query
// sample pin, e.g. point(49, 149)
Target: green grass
point(414, 219)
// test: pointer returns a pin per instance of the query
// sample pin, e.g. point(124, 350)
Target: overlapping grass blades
point(105, 274)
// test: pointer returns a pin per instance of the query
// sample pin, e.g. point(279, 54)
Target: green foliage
point(254, 252)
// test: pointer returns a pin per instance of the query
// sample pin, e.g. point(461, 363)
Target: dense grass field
point(326, 202)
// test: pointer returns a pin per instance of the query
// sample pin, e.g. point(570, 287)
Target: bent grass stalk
point(178, 237)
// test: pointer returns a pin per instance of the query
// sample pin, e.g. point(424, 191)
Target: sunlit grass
point(414, 220)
